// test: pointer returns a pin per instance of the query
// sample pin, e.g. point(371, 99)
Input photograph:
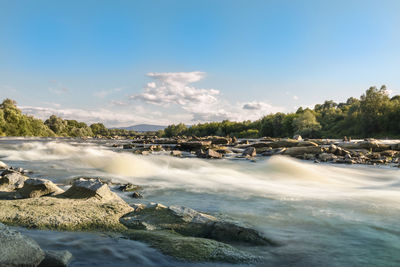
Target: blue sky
point(129, 62)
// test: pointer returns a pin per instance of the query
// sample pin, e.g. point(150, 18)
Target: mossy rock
point(59, 213)
point(191, 249)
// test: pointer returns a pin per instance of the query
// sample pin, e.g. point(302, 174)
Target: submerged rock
point(17, 249)
point(56, 258)
point(191, 248)
point(35, 187)
point(189, 222)
point(129, 187)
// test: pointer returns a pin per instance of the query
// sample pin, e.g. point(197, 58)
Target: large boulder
point(189, 222)
point(59, 213)
point(297, 151)
point(91, 188)
point(35, 187)
point(18, 250)
point(11, 180)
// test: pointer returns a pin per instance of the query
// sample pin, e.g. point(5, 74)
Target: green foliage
point(373, 115)
point(306, 124)
point(14, 123)
point(175, 130)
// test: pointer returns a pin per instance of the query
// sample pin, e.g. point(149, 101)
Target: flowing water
point(320, 214)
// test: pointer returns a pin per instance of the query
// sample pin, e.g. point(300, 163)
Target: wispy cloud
point(57, 88)
point(105, 93)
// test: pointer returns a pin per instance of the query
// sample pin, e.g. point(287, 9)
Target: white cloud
point(174, 88)
point(202, 104)
point(295, 97)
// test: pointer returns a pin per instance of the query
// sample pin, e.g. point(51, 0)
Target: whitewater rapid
point(268, 177)
point(322, 214)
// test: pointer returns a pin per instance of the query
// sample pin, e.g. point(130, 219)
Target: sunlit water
point(320, 214)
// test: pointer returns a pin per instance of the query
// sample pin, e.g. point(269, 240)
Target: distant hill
point(143, 128)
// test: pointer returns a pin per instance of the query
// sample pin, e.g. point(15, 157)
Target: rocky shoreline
point(90, 205)
point(367, 151)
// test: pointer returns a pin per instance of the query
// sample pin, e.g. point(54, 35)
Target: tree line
point(374, 114)
point(14, 123)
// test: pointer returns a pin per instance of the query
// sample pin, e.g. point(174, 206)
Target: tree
point(306, 124)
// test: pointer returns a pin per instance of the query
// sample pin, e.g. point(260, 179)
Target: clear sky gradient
point(161, 62)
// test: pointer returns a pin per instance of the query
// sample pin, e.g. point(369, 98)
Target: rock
point(327, 157)
point(56, 258)
point(155, 148)
point(261, 150)
point(259, 145)
point(90, 188)
point(216, 140)
point(137, 195)
point(390, 153)
point(276, 151)
point(129, 187)
point(18, 250)
point(296, 151)
point(176, 153)
point(284, 143)
point(3, 165)
point(249, 152)
point(128, 146)
point(35, 187)
point(59, 213)
point(191, 248)
point(369, 145)
point(189, 222)
point(164, 141)
point(212, 154)
point(11, 180)
point(307, 143)
point(234, 140)
point(297, 137)
point(195, 145)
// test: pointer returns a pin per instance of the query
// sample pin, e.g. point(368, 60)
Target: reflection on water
point(321, 214)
